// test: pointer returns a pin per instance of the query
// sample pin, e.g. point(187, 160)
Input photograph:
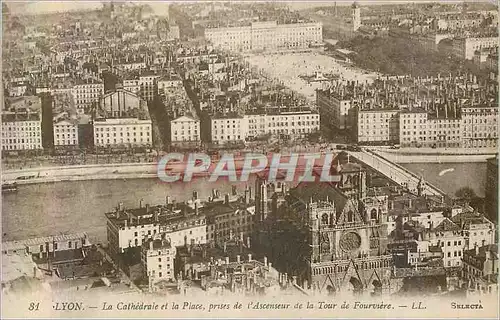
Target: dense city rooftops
point(155, 244)
point(43, 240)
point(446, 225)
point(161, 215)
point(481, 253)
point(466, 218)
point(20, 116)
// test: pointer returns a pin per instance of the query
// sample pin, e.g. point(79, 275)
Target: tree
point(465, 193)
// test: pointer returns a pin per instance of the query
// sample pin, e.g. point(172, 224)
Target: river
point(471, 175)
point(79, 206)
point(68, 207)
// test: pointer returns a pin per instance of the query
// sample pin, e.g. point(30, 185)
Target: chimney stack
point(249, 257)
point(141, 203)
point(226, 199)
point(227, 260)
point(265, 261)
point(238, 258)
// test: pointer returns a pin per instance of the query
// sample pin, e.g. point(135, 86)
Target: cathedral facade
point(332, 236)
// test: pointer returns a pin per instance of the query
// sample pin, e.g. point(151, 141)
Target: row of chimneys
point(168, 201)
point(238, 260)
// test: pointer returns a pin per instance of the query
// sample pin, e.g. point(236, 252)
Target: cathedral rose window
point(350, 241)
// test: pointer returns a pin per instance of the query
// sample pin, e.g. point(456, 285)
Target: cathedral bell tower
point(261, 205)
point(356, 16)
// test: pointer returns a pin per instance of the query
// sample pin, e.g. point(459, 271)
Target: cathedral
point(333, 237)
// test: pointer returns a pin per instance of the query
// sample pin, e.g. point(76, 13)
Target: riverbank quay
point(440, 156)
point(436, 151)
point(76, 173)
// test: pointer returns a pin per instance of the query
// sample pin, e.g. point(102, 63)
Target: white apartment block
point(85, 94)
point(378, 125)
point(466, 47)
point(257, 124)
point(443, 132)
point(449, 237)
point(21, 131)
point(412, 126)
point(417, 128)
point(229, 128)
point(158, 261)
point(122, 131)
point(134, 234)
point(66, 133)
point(266, 36)
point(236, 128)
point(295, 123)
point(132, 228)
point(479, 126)
point(185, 128)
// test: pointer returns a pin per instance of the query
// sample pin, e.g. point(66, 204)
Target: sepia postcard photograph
point(249, 159)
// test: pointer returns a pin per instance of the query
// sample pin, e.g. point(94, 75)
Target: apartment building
point(228, 128)
point(122, 131)
point(377, 126)
point(21, 131)
point(450, 238)
point(87, 93)
point(480, 269)
point(443, 132)
point(44, 246)
point(181, 224)
point(132, 84)
point(412, 126)
point(157, 259)
point(230, 218)
point(185, 129)
point(264, 36)
point(167, 82)
point(66, 133)
point(465, 47)
point(479, 126)
point(334, 109)
point(292, 123)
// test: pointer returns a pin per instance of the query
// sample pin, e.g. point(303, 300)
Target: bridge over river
point(395, 172)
